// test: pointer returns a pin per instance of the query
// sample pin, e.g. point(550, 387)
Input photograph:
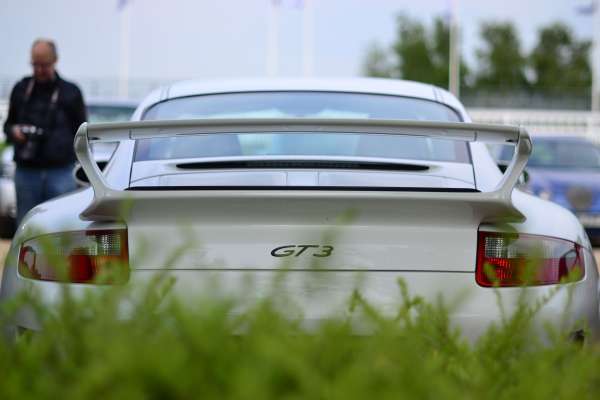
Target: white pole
point(273, 39)
point(308, 39)
point(124, 51)
point(454, 56)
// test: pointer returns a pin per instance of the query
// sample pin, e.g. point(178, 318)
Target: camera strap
point(28, 91)
point(50, 111)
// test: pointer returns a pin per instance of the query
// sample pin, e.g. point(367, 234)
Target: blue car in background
point(566, 170)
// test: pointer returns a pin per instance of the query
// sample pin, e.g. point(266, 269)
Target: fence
point(537, 111)
point(539, 122)
point(536, 99)
point(97, 87)
point(543, 122)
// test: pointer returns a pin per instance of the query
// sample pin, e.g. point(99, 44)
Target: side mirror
point(523, 179)
point(80, 176)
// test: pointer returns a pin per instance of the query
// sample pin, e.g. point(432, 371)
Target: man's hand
point(17, 135)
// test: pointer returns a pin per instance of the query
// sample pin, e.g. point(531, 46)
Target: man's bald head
point(43, 59)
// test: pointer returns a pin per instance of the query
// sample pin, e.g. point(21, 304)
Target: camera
point(31, 131)
point(30, 149)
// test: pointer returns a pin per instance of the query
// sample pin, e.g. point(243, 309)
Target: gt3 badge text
point(307, 249)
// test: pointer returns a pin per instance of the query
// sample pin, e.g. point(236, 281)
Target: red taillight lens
point(507, 259)
point(98, 256)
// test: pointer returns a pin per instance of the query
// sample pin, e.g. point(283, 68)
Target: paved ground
point(4, 244)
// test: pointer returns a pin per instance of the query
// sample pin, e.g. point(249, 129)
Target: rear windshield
point(302, 105)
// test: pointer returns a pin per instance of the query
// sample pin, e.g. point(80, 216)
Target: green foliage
point(559, 61)
point(417, 54)
point(502, 63)
point(377, 63)
point(414, 51)
point(440, 43)
point(142, 343)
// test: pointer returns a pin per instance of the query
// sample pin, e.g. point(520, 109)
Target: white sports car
point(354, 182)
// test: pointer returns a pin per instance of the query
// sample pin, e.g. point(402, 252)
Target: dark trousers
point(36, 185)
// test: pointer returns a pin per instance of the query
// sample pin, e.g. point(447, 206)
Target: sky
point(182, 39)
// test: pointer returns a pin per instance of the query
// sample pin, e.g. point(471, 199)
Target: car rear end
point(316, 252)
point(312, 208)
point(315, 245)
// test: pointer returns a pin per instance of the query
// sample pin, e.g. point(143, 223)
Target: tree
point(440, 51)
point(417, 54)
point(412, 51)
point(377, 63)
point(559, 61)
point(501, 63)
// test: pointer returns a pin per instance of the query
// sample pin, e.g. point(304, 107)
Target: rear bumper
point(321, 295)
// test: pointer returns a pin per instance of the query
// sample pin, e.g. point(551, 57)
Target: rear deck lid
point(330, 227)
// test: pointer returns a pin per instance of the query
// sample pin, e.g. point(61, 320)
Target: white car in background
point(370, 180)
point(99, 110)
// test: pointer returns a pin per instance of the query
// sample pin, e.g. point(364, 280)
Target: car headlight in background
point(94, 256)
point(7, 169)
point(7, 165)
point(544, 194)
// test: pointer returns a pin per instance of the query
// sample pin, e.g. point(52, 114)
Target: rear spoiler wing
point(494, 205)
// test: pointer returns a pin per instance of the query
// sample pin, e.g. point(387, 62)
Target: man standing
point(43, 116)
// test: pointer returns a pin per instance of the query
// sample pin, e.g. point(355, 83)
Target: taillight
point(95, 256)
point(509, 259)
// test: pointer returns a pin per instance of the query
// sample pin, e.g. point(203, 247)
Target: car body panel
point(226, 237)
point(322, 294)
point(170, 173)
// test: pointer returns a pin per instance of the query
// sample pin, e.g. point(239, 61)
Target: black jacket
point(60, 123)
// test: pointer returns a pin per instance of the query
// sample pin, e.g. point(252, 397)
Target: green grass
point(140, 343)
